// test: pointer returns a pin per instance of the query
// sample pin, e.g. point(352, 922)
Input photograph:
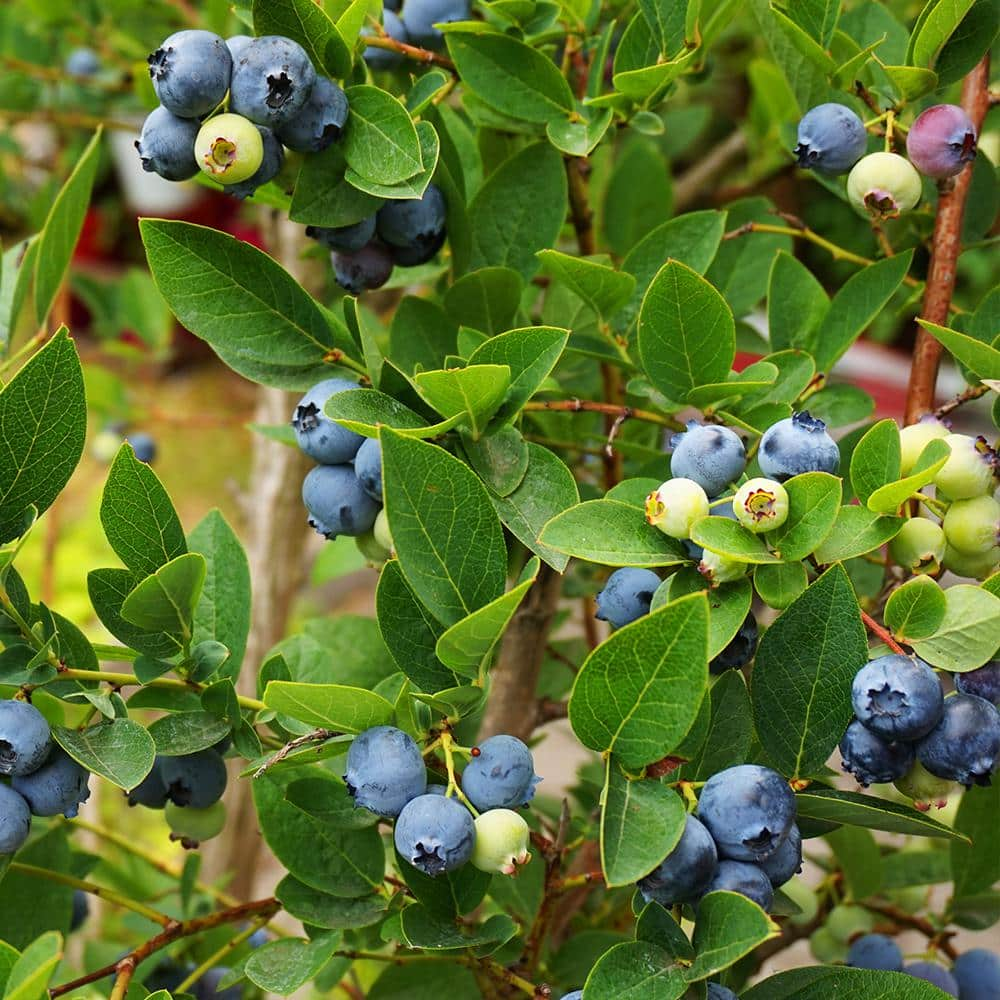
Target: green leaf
point(510, 76)
point(638, 693)
point(730, 730)
point(641, 822)
point(421, 930)
point(486, 300)
point(686, 333)
point(967, 636)
point(813, 504)
point(309, 25)
point(500, 459)
point(43, 422)
point(364, 411)
point(108, 589)
point(858, 854)
point(636, 970)
point(472, 394)
point(888, 499)
point(182, 733)
point(779, 585)
point(729, 926)
point(796, 304)
point(934, 27)
point(450, 895)
point(380, 141)
point(579, 138)
point(425, 981)
point(801, 684)
point(876, 459)
point(604, 289)
point(329, 706)
point(447, 535)
point(909, 82)
point(975, 864)
point(800, 40)
point(519, 210)
point(855, 532)
point(729, 538)
point(820, 982)
point(728, 604)
point(165, 601)
point(320, 909)
point(208, 279)
point(284, 965)
point(121, 751)
point(322, 196)
point(916, 610)
point(612, 533)
point(16, 270)
point(34, 969)
point(58, 237)
point(412, 187)
point(981, 358)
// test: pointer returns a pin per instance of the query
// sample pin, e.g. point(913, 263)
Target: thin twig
point(612, 410)
point(973, 392)
point(938, 938)
point(410, 51)
point(316, 736)
point(882, 632)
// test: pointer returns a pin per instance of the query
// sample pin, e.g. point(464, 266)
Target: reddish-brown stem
point(938, 939)
point(882, 632)
point(410, 51)
point(973, 392)
point(946, 244)
point(612, 410)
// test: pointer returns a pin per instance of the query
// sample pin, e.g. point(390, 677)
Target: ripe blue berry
point(272, 160)
point(320, 123)
point(941, 141)
point(897, 697)
point(413, 228)
point(151, 792)
point(786, 860)
point(626, 596)
point(575, 995)
point(871, 759)
point(25, 738)
point(749, 810)
point(977, 973)
point(196, 779)
point(237, 45)
point(167, 975)
point(336, 502)
point(59, 786)
point(875, 951)
point(378, 58)
point(83, 62)
point(15, 820)
point(385, 770)
point(882, 185)
point(435, 835)
point(685, 873)
point(761, 505)
point(207, 988)
point(501, 776)
point(347, 239)
point(501, 842)
point(831, 139)
point(368, 468)
point(81, 910)
point(420, 16)
point(741, 648)
point(797, 444)
point(746, 879)
point(983, 682)
point(676, 507)
point(970, 470)
point(272, 80)
point(965, 745)
point(143, 446)
point(317, 435)
point(190, 72)
point(711, 455)
point(166, 145)
point(937, 975)
point(717, 992)
point(367, 269)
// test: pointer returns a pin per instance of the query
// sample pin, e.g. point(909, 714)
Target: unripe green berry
point(761, 505)
point(911, 899)
point(846, 922)
point(719, 569)
point(973, 567)
point(501, 842)
point(916, 437)
point(192, 826)
point(881, 185)
point(826, 948)
point(969, 471)
point(369, 546)
point(919, 546)
point(381, 530)
point(229, 148)
point(973, 526)
point(924, 788)
point(804, 897)
point(676, 506)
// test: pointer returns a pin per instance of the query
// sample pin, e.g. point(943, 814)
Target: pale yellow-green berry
point(229, 148)
point(192, 826)
point(881, 185)
point(972, 567)
point(761, 505)
point(501, 842)
point(370, 547)
point(969, 470)
point(919, 546)
point(916, 437)
point(719, 569)
point(676, 506)
point(381, 530)
point(924, 788)
point(973, 526)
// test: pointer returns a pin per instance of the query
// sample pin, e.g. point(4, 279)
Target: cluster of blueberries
point(906, 731)
point(189, 789)
point(832, 140)
point(44, 779)
point(343, 494)
point(975, 974)
point(436, 832)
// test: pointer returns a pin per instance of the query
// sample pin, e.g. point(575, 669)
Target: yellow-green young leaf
point(32, 972)
point(888, 499)
point(120, 750)
point(876, 459)
point(331, 706)
point(967, 636)
point(639, 692)
point(729, 926)
point(910, 82)
point(283, 966)
point(308, 24)
point(855, 532)
point(729, 538)
point(981, 358)
point(636, 970)
point(473, 393)
point(350, 23)
point(916, 610)
point(813, 503)
point(365, 410)
point(165, 601)
point(641, 822)
point(602, 287)
point(777, 586)
point(578, 138)
point(380, 141)
point(935, 25)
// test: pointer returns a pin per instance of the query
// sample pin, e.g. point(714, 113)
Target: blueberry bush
point(555, 317)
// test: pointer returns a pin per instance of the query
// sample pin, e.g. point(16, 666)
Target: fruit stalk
point(883, 633)
point(946, 244)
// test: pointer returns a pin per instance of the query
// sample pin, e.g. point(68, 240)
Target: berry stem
point(448, 745)
point(882, 632)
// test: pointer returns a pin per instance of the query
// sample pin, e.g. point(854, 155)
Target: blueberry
point(367, 269)
point(575, 995)
point(196, 779)
point(983, 682)
point(413, 228)
point(151, 792)
point(786, 860)
point(881, 185)
point(320, 123)
point(965, 745)
point(25, 738)
point(435, 835)
point(207, 987)
point(237, 45)
point(871, 759)
point(501, 775)
point(317, 435)
point(229, 149)
point(925, 789)
point(977, 973)
point(272, 80)
point(166, 145)
point(717, 992)
point(973, 526)
point(746, 879)
point(970, 470)
point(347, 239)
point(83, 62)
point(381, 533)
point(59, 786)
point(385, 770)
point(272, 160)
point(711, 455)
point(626, 596)
point(143, 446)
point(368, 468)
point(420, 16)
point(919, 546)
point(941, 141)
point(720, 569)
point(336, 502)
point(258, 939)
point(192, 825)
point(875, 951)
point(167, 975)
point(741, 648)
point(797, 444)
point(937, 975)
point(831, 139)
point(685, 873)
point(15, 820)
point(915, 437)
point(761, 505)
point(81, 910)
point(676, 506)
point(190, 72)
point(748, 809)
point(897, 697)
point(501, 842)
point(972, 567)
point(378, 58)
